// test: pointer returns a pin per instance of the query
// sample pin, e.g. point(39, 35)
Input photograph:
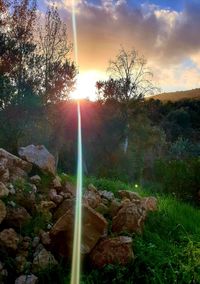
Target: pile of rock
point(23, 198)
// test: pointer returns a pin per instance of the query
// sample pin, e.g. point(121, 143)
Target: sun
point(85, 85)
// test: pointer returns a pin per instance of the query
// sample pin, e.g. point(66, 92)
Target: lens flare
point(76, 255)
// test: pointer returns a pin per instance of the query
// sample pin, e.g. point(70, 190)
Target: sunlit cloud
point(166, 37)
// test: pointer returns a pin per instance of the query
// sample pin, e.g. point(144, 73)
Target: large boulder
point(12, 167)
point(112, 251)
point(63, 208)
point(94, 226)
point(92, 196)
point(39, 156)
point(129, 218)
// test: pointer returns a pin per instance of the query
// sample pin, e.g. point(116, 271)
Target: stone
point(40, 157)
point(13, 167)
point(9, 239)
point(11, 189)
point(20, 262)
point(45, 239)
point(112, 251)
point(149, 203)
point(114, 207)
point(102, 209)
point(25, 243)
point(35, 180)
point(66, 205)
point(46, 206)
point(27, 279)
point(129, 194)
point(26, 200)
point(35, 242)
point(43, 260)
point(70, 189)
point(3, 190)
point(106, 194)
point(2, 211)
point(94, 226)
point(130, 218)
point(57, 182)
point(17, 217)
point(55, 197)
point(92, 196)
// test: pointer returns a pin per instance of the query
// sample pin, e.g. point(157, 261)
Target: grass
point(168, 251)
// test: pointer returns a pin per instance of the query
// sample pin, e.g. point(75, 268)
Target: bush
point(179, 177)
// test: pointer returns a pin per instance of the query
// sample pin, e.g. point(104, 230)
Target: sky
point(166, 32)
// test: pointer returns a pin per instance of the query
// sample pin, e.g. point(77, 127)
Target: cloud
point(165, 37)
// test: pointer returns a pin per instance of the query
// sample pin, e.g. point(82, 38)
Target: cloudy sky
point(166, 32)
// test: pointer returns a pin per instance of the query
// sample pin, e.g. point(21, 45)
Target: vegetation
point(150, 146)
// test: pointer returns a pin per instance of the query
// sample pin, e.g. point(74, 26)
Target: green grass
point(168, 251)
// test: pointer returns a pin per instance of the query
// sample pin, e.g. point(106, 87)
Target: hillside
point(179, 95)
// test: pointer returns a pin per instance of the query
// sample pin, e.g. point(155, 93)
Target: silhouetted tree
point(130, 79)
point(57, 72)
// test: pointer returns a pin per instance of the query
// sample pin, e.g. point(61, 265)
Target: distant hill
point(179, 95)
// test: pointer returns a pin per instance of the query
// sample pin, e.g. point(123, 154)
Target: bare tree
point(130, 79)
point(57, 71)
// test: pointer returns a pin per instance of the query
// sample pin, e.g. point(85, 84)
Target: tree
point(130, 80)
point(57, 72)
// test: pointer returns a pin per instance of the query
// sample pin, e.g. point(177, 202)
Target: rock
point(102, 209)
point(43, 260)
point(5, 176)
point(129, 218)
point(149, 203)
point(25, 243)
point(11, 189)
point(39, 156)
point(3, 273)
point(94, 227)
point(57, 182)
point(27, 279)
point(106, 194)
point(12, 167)
point(70, 189)
point(2, 211)
point(129, 194)
point(17, 217)
point(92, 196)
point(20, 262)
point(26, 200)
point(9, 239)
point(3, 190)
point(18, 174)
point(35, 180)
point(45, 206)
point(35, 242)
point(114, 207)
point(66, 205)
point(55, 197)
point(112, 251)
point(45, 239)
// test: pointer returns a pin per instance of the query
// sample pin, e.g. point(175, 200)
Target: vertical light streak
point(76, 255)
